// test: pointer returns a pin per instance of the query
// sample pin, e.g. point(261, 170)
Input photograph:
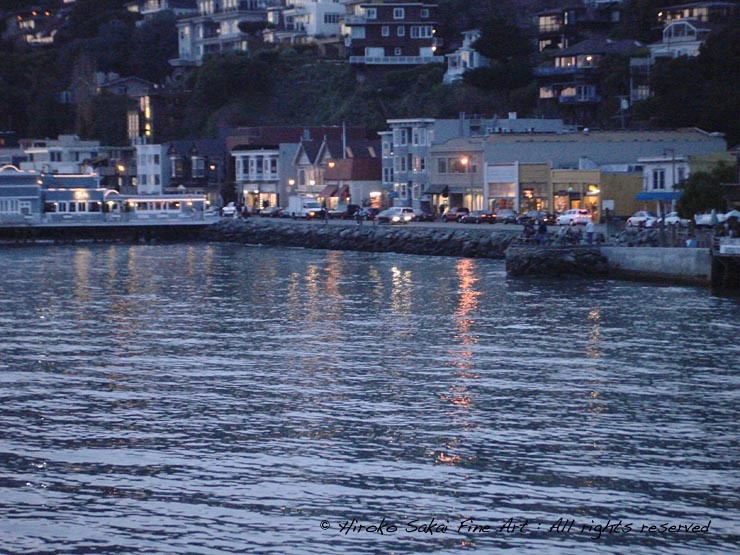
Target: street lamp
point(467, 163)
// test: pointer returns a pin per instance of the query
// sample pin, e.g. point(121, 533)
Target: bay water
point(205, 399)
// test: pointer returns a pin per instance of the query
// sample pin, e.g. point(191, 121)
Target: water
point(225, 399)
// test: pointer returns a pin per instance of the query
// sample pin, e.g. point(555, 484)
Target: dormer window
point(199, 167)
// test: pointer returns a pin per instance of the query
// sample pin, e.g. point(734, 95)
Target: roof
point(602, 46)
point(204, 147)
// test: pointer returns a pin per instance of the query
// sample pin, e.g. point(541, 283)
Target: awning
point(659, 195)
point(344, 191)
point(435, 189)
point(328, 191)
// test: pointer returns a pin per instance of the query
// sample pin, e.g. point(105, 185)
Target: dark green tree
point(702, 191)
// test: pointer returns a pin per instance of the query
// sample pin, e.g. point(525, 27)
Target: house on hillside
point(572, 82)
point(391, 33)
point(464, 58)
point(305, 21)
point(215, 29)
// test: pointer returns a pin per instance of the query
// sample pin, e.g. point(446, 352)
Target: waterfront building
point(406, 155)
point(275, 148)
point(153, 169)
point(20, 195)
point(499, 184)
point(66, 154)
point(197, 167)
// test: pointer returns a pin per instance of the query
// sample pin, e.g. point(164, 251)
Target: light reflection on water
point(218, 399)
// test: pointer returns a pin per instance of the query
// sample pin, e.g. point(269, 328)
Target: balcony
point(545, 71)
point(580, 99)
point(396, 60)
point(355, 20)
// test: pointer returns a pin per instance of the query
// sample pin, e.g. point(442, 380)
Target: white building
point(464, 58)
point(216, 28)
point(67, 154)
point(660, 175)
point(304, 20)
point(153, 169)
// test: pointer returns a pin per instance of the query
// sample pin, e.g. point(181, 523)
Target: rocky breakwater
point(552, 261)
point(473, 242)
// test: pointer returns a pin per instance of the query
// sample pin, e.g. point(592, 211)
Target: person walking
point(590, 228)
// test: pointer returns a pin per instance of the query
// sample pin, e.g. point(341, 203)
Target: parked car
point(455, 213)
point(229, 211)
point(708, 220)
point(643, 218)
point(478, 217)
point(344, 211)
point(534, 216)
point(271, 212)
point(396, 215)
point(672, 218)
point(574, 216)
point(422, 216)
point(506, 216)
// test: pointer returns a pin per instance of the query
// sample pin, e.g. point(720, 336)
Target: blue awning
point(659, 195)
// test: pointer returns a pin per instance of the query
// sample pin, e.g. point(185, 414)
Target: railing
point(395, 60)
point(577, 99)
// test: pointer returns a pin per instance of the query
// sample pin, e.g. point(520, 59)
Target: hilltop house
point(390, 32)
point(464, 58)
point(215, 28)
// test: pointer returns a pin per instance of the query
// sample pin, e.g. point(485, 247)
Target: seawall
point(669, 265)
point(681, 265)
point(474, 242)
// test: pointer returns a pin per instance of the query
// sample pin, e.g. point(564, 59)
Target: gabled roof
point(204, 147)
point(602, 46)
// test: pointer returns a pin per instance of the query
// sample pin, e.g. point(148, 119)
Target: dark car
point(534, 216)
point(344, 211)
point(271, 212)
point(479, 217)
point(455, 213)
point(422, 215)
point(506, 216)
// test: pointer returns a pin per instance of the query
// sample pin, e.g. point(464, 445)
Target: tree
point(703, 192)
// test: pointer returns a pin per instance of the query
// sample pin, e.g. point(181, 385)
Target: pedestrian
point(358, 216)
point(590, 228)
point(542, 232)
point(325, 215)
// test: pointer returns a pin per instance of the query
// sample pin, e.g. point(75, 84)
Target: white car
point(229, 210)
point(643, 218)
point(672, 218)
point(708, 220)
point(396, 215)
point(574, 216)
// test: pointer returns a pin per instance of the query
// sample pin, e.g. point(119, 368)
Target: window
point(385, 31)
point(371, 13)
point(659, 178)
point(199, 167)
point(681, 175)
point(358, 32)
point(400, 137)
point(424, 13)
point(441, 165)
point(396, 51)
point(401, 31)
point(331, 18)
point(418, 136)
point(399, 13)
point(387, 175)
point(421, 32)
